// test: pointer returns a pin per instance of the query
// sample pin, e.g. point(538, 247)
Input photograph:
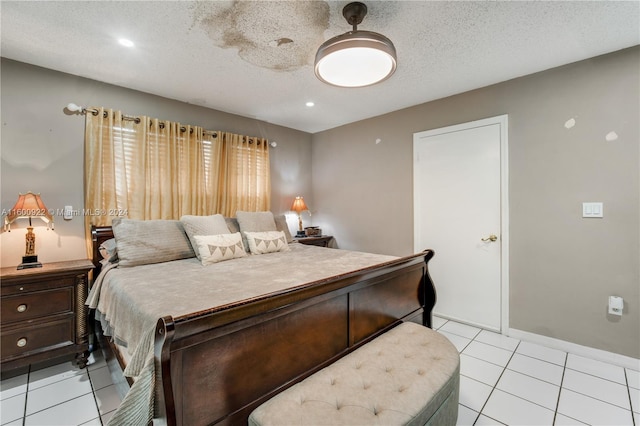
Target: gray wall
point(43, 150)
point(562, 267)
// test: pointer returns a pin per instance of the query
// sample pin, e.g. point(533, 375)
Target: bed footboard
point(216, 366)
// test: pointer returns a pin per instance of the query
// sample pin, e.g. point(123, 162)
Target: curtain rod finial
point(74, 107)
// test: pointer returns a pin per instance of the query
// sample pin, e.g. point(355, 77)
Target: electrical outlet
point(616, 305)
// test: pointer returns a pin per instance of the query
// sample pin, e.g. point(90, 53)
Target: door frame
point(503, 121)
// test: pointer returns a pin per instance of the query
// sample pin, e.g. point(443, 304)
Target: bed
point(213, 363)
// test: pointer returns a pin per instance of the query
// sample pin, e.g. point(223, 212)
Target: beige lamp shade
point(298, 205)
point(28, 205)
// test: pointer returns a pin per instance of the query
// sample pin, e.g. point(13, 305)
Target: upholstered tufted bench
point(407, 376)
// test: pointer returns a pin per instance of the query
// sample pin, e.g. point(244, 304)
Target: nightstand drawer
point(34, 305)
point(29, 339)
point(33, 284)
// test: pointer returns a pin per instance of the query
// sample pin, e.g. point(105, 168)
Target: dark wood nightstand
point(321, 241)
point(43, 315)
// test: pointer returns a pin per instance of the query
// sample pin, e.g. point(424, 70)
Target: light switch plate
point(592, 209)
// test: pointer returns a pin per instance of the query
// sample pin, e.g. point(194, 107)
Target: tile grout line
point(600, 377)
point(534, 377)
point(464, 337)
point(480, 411)
point(26, 396)
point(596, 398)
point(490, 362)
point(564, 369)
point(518, 396)
point(95, 401)
point(58, 404)
point(496, 384)
point(54, 405)
point(504, 368)
point(626, 379)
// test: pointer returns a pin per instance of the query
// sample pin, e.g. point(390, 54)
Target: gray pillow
point(141, 242)
point(282, 225)
point(203, 225)
point(255, 222)
point(232, 224)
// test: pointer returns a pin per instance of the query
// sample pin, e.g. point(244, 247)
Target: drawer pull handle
point(22, 308)
point(22, 342)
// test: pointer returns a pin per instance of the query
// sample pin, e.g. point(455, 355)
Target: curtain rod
point(82, 110)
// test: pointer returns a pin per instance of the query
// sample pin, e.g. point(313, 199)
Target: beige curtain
point(245, 183)
point(143, 168)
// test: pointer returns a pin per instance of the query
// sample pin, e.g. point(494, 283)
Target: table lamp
point(29, 205)
point(299, 206)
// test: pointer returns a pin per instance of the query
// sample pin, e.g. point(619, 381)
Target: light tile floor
point(503, 381)
point(512, 382)
point(62, 394)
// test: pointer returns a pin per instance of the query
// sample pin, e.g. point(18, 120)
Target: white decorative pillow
point(267, 242)
point(216, 248)
point(203, 225)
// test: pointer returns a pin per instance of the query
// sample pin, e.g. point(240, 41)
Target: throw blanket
point(129, 301)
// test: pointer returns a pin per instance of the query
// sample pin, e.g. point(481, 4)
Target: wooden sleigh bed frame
point(217, 365)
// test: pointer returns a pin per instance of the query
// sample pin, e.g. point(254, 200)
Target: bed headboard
point(99, 234)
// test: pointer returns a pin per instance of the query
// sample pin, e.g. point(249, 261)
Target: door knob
point(491, 238)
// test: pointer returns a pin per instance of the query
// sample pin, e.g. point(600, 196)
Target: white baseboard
point(462, 321)
point(597, 354)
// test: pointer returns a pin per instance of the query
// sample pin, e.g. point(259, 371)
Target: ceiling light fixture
point(310, 104)
point(355, 58)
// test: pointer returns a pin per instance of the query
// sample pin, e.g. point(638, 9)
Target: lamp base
point(30, 262)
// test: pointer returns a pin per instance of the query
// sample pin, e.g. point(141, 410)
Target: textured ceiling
point(255, 58)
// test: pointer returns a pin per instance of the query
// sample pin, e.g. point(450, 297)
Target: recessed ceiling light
point(125, 42)
point(309, 104)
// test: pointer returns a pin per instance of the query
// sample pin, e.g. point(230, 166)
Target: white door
point(460, 211)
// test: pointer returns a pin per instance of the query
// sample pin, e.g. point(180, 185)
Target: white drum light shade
point(355, 59)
